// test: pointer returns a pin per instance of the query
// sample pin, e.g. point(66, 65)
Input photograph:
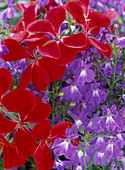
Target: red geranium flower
point(30, 110)
point(10, 157)
point(41, 71)
point(65, 47)
point(43, 155)
point(6, 81)
point(91, 22)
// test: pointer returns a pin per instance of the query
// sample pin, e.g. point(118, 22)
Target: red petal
point(7, 126)
point(42, 129)
point(34, 37)
point(26, 77)
point(11, 159)
point(40, 78)
point(41, 111)
point(29, 14)
point(111, 14)
point(85, 4)
point(43, 157)
point(95, 31)
point(6, 80)
point(16, 51)
point(55, 72)
point(19, 100)
point(41, 25)
point(97, 19)
point(104, 49)
point(75, 9)
point(58, 131)
point(67, 55)
point(51, 50)
point(75, 41)
point(24, 142)
point(56, 16)
point(19, 27)
point(20, 36)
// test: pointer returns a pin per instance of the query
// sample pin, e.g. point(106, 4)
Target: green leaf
point(69, 18)
point(1, 164)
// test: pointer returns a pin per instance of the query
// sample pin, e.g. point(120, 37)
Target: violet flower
point(10, 11)
point(107, 69)
point(60, 165)
point(84, 74)
point(120, 41)
point(110, 149)
point(72, 92)
point(3, 49)
point(95, 95)
point(111, 122)
point(64, 146)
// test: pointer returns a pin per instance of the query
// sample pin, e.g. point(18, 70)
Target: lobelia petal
point(6, 83)
point(104, 49)
point(54, 71)
point(24, 142)
point(10, 157)
point(26, 77)
point(16, 51)
point(40, 78)
point(56, 16)
point(78, 40)
point(51, 49)
point(41, 111)
point(19, 100)
point(43, 156)
point(75, 9)
point(42, 129)
point(41, 25)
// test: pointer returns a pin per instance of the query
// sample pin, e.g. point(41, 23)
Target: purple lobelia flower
point(43, 3)
point(107, 68)
point(78, 166)
point(3, 48)
point(120, 41)
point(110, 149)
point(3, 64)
point(64, 146)
point(111, 122)
point(10, 11)
point(46, 97)
point(72, 92)
point(78, 124)
point(60, 165)
point(84, 74)
point(95, 95)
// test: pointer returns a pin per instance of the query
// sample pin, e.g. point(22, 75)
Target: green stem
point(113, 80)
point(9, 114)
point(97, 167)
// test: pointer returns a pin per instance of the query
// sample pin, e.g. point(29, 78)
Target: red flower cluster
point(48, 51)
